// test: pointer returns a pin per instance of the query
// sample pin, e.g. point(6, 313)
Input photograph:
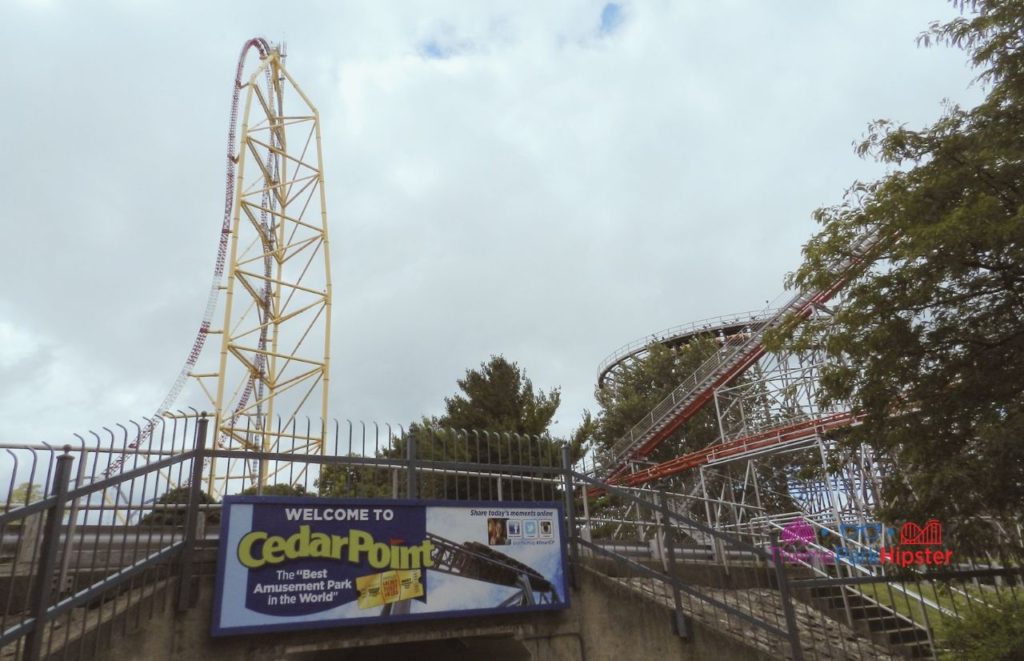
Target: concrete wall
point(737, 577)
point(617, 624)
point(606, 622)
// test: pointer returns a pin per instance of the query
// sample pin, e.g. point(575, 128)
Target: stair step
point(913, 635)
point(852, 602)
point(886, 623)
point(867, 612)
point(916, 651)
point(828, 591)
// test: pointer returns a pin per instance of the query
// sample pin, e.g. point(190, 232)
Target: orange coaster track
point(788, 435)
point(731, 361)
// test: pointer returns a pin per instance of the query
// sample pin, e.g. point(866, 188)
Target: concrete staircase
point(877, 621)
point(822, 637)
point(834, 622)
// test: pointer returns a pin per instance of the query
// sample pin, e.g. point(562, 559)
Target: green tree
point(347, 480)
point(499, 397)
point(276, 490)
point(169, 510)
point(25, 493)
point(929, 342)
point(496, 417)
point(988, 634)
point(642, 384)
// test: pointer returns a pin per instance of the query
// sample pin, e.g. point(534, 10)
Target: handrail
point(709, 325)
point(671, 515)
point(683, 587)
point(863, 570)
point(732, 359)
point(699, 380)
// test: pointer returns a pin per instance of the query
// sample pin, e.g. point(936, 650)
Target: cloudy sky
point(546, 181)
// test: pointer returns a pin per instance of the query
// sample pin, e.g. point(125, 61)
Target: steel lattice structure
point(739, 352)
point(270, 290)
point(769, 420)
point(275, 335)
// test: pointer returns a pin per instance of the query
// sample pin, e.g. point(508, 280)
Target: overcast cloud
point(541, 180)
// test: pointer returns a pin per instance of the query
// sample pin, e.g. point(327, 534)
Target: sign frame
point(227, 545)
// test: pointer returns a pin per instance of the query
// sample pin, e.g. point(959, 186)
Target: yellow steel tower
point(275, 339)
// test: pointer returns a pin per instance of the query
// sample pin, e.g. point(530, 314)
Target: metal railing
point(119, 547)
point(68, 583)
point(702, 379)
point(736, 355)
point(709, 326)
point(85, 557)
point(762, 615)
point(916, 613)
point(844, 608)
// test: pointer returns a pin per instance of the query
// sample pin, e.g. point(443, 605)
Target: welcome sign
point(295, 563)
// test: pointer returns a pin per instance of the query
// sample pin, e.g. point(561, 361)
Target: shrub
point(989, 634)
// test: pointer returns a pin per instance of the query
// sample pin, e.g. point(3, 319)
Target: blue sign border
point(231, 501)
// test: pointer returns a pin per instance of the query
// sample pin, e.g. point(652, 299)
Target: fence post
point(411, 489)
point(787, 603)
point(658, 543)
point(586, 533)
point(667, 532)
point(570, 513)
point(192, 514)
point(63, 580)
point(43, 588)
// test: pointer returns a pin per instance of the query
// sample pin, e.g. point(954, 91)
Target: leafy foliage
point(499, 397)
point(642, 384)
point(175, 516)
point(989, 634)
point(929, 342)
point(355, 481)
point(276, 490)
point(25, 493)
point(496, 417)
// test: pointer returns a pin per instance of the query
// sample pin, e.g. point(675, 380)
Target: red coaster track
point(731, 361)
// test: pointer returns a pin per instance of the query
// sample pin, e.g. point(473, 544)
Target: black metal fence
point(68, 581)
point(916, 613)
point(842, 608)
point(94, 540)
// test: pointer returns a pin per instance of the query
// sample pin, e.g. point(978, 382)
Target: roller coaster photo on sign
point(298, 563)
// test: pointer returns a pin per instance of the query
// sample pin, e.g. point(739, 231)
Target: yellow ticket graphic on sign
point(369, 591)
point(389, 587)
point(411, 586)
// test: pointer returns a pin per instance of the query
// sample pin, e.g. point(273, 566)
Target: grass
point(960, 598)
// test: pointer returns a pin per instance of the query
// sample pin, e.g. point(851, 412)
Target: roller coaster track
point(736, 356)
point(724, 325)
point(482, 563)
point(793, 435)
point(263, 48)
point(273, 265)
